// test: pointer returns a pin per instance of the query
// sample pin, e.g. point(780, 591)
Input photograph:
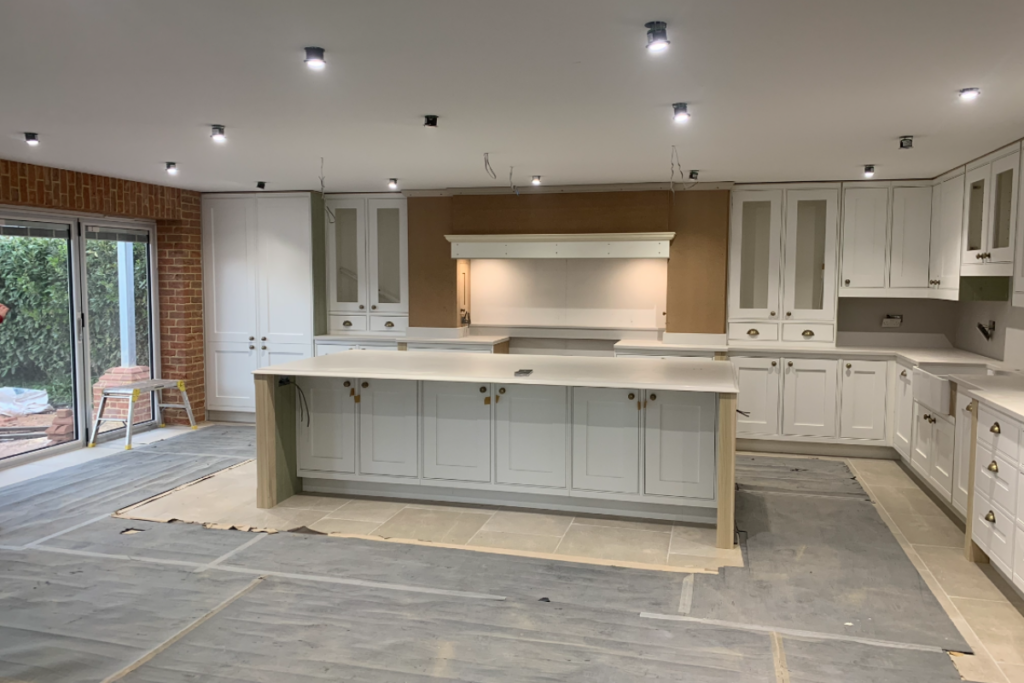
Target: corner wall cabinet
point(258, 294)
point(367, 263)
point(992, 185)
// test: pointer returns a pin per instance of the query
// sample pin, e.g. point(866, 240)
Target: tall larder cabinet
point(257, 290)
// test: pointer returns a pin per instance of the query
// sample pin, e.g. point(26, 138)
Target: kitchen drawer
point(798, 332)
point(397, 323)
point(762, 332)
point(1006, 441)
point(347, 323)
point(995, 535)
point(999, 486)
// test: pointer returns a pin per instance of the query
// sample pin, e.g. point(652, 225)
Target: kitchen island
point(634, 437)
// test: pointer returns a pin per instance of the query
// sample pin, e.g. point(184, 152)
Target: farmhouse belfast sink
point(932, 385)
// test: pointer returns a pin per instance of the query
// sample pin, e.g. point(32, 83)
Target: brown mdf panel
point(433, 281)
point(698, 262)
point(544, 214)
point(501, 347)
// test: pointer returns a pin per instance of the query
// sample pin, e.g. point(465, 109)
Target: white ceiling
point(779, 89)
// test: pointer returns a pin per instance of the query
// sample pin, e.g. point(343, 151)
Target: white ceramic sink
point(931, 382)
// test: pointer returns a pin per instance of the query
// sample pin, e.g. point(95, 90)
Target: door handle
point(374, 307)
point(849, 366)
point(993, 467)
point(361, 307)
point(903, 374)
point(251, 347)
point(263, 347)
point(774, 364)
point(252, 338)
point(790, 364)
point(773, 314)
point(990, 517)
point(846, 282)
point(996, 429)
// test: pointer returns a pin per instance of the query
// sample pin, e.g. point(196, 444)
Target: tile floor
point(991, 622)
point(229, 499)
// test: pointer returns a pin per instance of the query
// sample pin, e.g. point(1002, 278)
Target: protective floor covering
point(831, 662)
point(825, 563)
point(797, 475)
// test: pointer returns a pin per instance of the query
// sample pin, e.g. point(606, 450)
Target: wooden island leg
point(726, 471)
point(277, 477)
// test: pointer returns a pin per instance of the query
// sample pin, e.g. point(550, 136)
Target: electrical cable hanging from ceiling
point(330, 214)
point(677, 165)
point(487, 167)
point(510, 183)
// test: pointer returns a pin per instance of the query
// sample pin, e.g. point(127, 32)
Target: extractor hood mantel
point(593, 245)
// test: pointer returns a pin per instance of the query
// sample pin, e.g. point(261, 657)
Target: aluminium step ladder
point(132, 392)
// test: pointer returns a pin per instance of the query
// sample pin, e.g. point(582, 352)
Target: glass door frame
point(76, 221)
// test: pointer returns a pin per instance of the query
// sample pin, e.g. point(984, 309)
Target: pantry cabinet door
point(328, 443)
point(229, 268)
point(862, 415)
point(531, 434)
point(679, 444)
point(285, 286)
point(903, 430)
point(457, 431)
point(758, 399)
point(388, 427)
point(911, 236)
point(809, 398)
point(606, 440)
point(865, 225)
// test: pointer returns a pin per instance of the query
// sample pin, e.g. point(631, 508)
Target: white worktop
point(673, 374)
point(358, 337)
point(1005, 392)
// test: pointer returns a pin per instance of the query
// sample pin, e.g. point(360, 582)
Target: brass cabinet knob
point(790, 363)
point(347, 383)
point(993, 467)
point(264, 347)
point(978, 255)
point(996, 429)
point(969, 408)
point(807, 333)
point(631, 397)
point(926, 417)
point(752, 332)
point(374, 307)
point(347, 323)
point(903, 374)
point(990, 517)
point(846, 282)
point(774, 364)
point(361, 307)
point(252, 338)
point(263, 339)
point(849, 365)
point(789, 313)
point(773, 314)
point(389, 324)
point(654, 396)
point(251, 347)
point(938, 282)
point(502, 390)
point(365, 384)
point(483, 390)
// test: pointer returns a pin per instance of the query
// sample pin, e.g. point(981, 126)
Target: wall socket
point(892, 321)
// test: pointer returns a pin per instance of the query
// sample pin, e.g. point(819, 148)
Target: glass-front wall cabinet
point(990, 211)
point(810, 273)
point(757, 241)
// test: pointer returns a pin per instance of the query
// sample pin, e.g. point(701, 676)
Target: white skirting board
point(674, 512)
point(833, 450)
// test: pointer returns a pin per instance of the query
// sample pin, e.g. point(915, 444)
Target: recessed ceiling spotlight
point(869, 171)
point(315, 58)
point(969, 94)
point(680, 113)
point(393, 184)
point(907, 142)
point(172, 168)
point(32, 139)
point(430, 121)
point(261, 185)
point(536, 180)
point(657, 36)
point(694, 174)
point(217, 134)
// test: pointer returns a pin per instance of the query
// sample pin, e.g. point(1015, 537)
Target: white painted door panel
point(911, 236)
point(230, 383)
point(285, 251)
point(531, 431)
point(345, 223)
point(962, 453)
point(903, 429)
point(679, 444)
point(758, 380)
point(1002, 211)
point(921, 458)
point(809, 405)
point(388, 246)
point(946, 237)
point(229, 268)
point(329, 443)
point(388, 427)
point(755, 250)
point(862, 415)
point(457, 431)
point(943, 444)
point(865, 223)
point(809, 275)
point(977, 188)
point(606, 440)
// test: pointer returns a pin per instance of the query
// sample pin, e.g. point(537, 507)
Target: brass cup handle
point(347, 323)
point(990, 517)
point(849, 366)
point(389, 324)
point(993, 467)
point(807, 333)
point(365, 385)
point(631, 397)
point(996, 429)
point(752, 332)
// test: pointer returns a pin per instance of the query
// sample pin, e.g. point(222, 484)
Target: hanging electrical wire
point(323, 197)
point(674, 159)
point(510, 183)
point(487, 167)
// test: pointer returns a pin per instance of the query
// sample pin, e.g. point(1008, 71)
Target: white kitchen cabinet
point(863, 409)
point(1018, 280)
point(1018, 557)
point(606, 439)
point(757, 403)
point(457, 431)
point(367, 262)
point(257, 260)
point(809, 398)
point(962, 453)
point(903, 429)
point(679, 444)
point(865, 228)
point(388, 431)
point(810, 255)
point(531, 435)
point(755, 254)
point(947, 234)
point(990, 213)
point(943, 463)
point(911, 236)
point(328, 443)
point(921, 458)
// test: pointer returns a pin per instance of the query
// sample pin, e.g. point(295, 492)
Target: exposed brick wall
point(179, 258)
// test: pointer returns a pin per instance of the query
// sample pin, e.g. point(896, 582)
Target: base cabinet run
point(623, 444)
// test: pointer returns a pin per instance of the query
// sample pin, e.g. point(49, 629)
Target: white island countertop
point(672, 374)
